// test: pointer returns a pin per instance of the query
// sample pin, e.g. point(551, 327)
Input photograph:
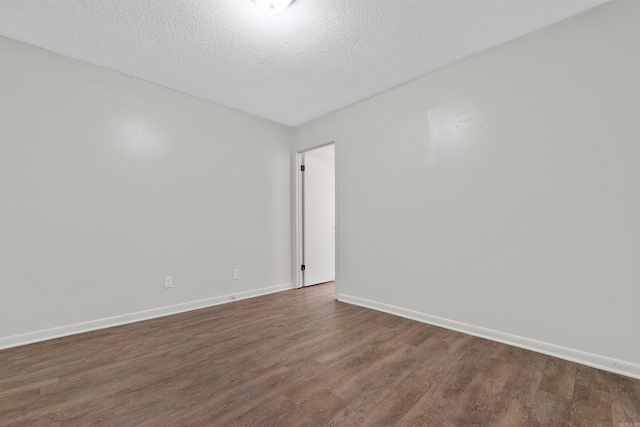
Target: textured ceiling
point(315, 57)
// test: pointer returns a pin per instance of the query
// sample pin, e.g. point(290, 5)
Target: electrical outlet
point(168, 282)
point(236, 273)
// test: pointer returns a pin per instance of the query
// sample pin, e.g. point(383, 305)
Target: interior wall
point(499, 195)
point(109, 184)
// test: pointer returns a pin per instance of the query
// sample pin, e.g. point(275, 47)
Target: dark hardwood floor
point(300, 358)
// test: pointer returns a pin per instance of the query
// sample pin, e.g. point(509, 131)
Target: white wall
point(108, 184)
point(499, 195)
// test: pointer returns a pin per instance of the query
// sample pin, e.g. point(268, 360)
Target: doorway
point(316, 216)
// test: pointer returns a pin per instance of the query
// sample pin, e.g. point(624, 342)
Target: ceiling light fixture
point(273, 6)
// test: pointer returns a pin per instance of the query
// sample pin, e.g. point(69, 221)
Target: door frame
point(298, 276)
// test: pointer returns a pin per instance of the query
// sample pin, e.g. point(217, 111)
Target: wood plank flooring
point(300, 358)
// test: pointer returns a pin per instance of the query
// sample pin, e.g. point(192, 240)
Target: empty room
point(320, 212)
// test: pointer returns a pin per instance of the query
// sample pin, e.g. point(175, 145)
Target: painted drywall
point(311, 59)
point(319, 215)
point(109, 184)
point(500, 195)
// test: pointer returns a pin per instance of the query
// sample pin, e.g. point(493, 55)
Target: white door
point(319, 215)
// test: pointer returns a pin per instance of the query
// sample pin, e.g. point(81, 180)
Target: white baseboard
point(621, 367)
point(108, 322)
